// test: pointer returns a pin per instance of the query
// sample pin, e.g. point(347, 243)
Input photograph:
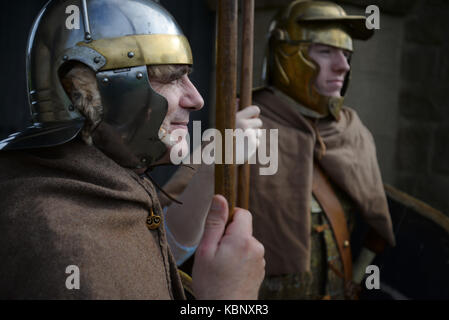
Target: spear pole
point(246, 87)
point(226, 78)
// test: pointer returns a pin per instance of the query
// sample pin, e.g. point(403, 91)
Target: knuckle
point(256, 109)
point(246, 244)
point(217, 221)
point(243, 214)
point(262, 269)
point(257, 249)
point(260, 249)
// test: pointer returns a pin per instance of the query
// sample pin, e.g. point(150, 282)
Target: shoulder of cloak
point(279, 112)
point(58, 206)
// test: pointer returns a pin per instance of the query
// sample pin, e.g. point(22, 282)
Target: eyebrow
point(180, 72)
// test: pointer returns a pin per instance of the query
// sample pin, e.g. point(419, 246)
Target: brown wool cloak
point(72, 205)
point(280, 203)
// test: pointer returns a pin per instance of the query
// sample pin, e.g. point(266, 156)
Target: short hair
point(81, 86)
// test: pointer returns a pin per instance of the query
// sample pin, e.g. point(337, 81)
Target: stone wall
point(375, 83)
point(422, 153)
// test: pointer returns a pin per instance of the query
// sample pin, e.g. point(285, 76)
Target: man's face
point(334, 66)
point(182, 98)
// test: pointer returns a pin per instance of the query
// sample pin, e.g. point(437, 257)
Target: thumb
point(214, 226)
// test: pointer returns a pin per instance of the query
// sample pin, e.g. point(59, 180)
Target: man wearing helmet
point(328, 173)
point(74, 190)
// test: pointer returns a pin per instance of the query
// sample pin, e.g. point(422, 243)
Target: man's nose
point(191, 99)
point(340, 63)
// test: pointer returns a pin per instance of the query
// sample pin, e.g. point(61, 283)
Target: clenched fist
point(229, 262)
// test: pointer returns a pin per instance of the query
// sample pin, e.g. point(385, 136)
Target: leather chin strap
point(335, 105)
point(187, 284)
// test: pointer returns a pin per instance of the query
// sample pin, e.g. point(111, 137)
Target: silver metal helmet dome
point(117, 39)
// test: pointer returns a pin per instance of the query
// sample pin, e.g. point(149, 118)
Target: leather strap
point(186, 281)
point(331, 206)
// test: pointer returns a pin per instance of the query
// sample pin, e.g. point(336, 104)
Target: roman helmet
point(290, 68)
point(116, 39)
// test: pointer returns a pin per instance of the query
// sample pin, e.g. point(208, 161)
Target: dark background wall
point(422, 153)
point(413, 139)
point(16, 20)
point(399, 88)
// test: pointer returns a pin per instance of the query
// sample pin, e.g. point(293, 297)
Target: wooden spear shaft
point(225, 96)
point(246, 87)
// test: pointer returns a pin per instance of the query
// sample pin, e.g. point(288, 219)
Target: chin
point(334, 94)
point(179, 130)
point(174, 127)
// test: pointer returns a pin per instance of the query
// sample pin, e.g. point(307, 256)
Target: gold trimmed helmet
point(290, 68)
point(117, 40)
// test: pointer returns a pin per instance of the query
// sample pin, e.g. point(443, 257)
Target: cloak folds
point(280, 203)
point(72, 205)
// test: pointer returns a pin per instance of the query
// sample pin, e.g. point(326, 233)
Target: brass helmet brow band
point(329, 35)
point(138, 50)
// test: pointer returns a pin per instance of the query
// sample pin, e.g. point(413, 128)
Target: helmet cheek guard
point(127, 95)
